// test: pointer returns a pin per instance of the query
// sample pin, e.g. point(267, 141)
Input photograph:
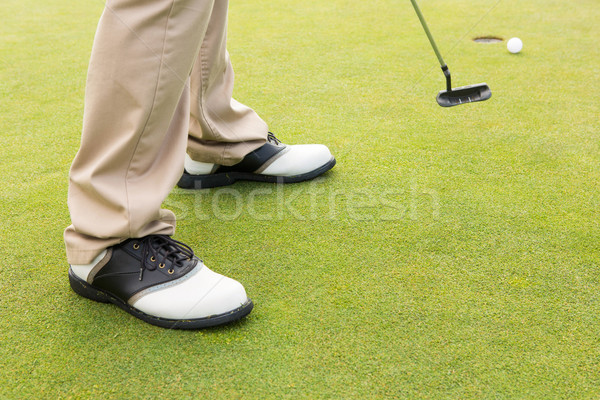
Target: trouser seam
point(143, 131)
point(203, 87)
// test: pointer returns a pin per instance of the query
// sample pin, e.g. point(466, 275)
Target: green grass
point(452, 253)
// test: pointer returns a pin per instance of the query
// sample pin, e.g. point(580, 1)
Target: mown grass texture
point(451, 253)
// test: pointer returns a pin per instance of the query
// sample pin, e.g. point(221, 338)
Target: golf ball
point(514, 45)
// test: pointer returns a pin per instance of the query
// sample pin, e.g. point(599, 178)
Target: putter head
point(464, 94)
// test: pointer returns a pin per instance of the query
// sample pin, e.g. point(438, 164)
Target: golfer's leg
point(222, 130)
point(135, 122)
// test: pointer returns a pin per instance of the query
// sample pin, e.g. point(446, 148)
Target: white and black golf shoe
point(272, 162)
point(162, 282)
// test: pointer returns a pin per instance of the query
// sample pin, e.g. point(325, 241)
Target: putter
point(460, 95)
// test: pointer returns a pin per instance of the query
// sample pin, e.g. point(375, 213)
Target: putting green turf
point(452, 253)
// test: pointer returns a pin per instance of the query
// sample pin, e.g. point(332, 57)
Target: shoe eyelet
point(161, 265)
point(152, 259)
point(136, 246)
point(171, 271)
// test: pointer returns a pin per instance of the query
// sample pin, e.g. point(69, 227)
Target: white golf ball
point(514, 45)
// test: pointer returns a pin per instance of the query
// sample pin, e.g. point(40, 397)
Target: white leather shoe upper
point(82, 271)
point(197, 167)
point(203, 294)
point(293, 160)
point(298, 159)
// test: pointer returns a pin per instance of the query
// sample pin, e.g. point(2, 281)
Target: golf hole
point(488, 39)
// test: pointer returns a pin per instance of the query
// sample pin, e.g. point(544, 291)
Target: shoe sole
point(86, 290)
point(189, 181)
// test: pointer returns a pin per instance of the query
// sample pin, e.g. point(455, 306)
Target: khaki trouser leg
point(222, 130)
point(135, 122)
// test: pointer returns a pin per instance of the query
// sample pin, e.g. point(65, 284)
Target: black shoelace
point(158, 249)
point(272, 139)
